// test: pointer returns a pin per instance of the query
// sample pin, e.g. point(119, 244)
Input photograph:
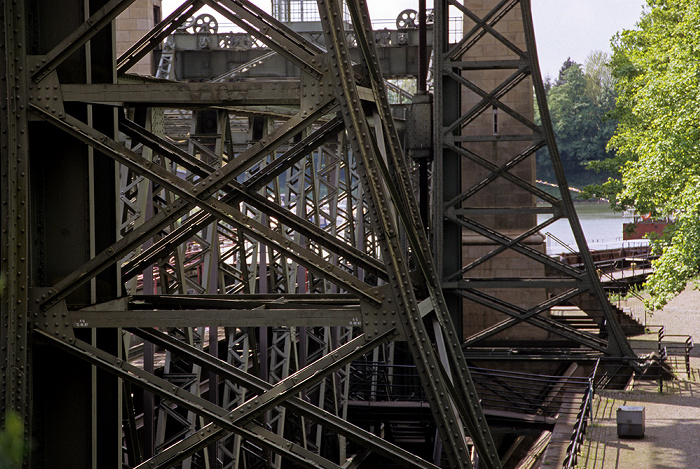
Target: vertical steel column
point(239, 355)
point(447, 170)
point(14, 164)
point(422, 89)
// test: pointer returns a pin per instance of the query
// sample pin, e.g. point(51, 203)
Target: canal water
point(601, 226)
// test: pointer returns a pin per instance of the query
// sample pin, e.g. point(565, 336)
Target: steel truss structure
point(211, 222)
point(205, 297)
point(485, 142)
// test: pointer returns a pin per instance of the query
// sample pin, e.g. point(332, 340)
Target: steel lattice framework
point(205, 297)
point(477, 80)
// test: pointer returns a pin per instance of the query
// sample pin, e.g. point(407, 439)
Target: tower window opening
point(495, 120)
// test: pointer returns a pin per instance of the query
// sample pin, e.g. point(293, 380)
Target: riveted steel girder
point(15, 214)
point(295, 240)
point(213, 217)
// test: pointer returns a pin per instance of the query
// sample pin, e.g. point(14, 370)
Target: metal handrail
point(585, 414)
point(609, 275)
point(498, 389)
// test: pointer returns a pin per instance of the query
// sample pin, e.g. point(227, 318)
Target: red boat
point(642, 226)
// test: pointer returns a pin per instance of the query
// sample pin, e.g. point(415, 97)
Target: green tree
point(600, 83)
point(657, 141)
point(579, 101)
point(12, 445)
point(561, 77)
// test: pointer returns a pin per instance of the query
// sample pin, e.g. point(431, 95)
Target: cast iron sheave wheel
point(407, 19)
point(205, 24)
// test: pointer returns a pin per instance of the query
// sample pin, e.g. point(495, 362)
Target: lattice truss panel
point(246, 276)
point(485, 138)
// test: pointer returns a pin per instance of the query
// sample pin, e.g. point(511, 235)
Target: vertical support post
point(422, 88)
point(14, 155)
point(447, 235)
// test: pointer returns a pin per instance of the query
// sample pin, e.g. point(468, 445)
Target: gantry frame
point(71, 89)
point(94, 196)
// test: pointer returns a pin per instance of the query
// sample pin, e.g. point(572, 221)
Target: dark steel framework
point(455, 213)
point(113, 234)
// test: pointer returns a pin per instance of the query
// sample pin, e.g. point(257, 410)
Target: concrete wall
point(132, 25)
point(500, 193)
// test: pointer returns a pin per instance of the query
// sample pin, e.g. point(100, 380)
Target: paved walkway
point(672, 433)
point(672, 437)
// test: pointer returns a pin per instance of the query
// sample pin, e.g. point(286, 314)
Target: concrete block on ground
point(630, 421)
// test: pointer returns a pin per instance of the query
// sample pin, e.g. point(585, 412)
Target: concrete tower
point(132, 25)
point(511, 138)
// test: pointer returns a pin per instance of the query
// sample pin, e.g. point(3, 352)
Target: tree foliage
point(12, 444)
point(579, 102)
point(657, 141)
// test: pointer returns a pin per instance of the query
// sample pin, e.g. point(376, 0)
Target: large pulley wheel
point(407, 19)
point(205, 24)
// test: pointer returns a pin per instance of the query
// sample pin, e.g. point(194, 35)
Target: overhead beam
point(515, 282)
point(270, 317)
point(187, 95)
point(279, 37)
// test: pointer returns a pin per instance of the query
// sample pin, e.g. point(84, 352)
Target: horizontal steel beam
point(470, 212)
point(238, 301)
point(493, 138)
point(218, 317)
point(489, 64)
point(250, 93)
point(414, 406)
point(515, 282)
point(520, 354)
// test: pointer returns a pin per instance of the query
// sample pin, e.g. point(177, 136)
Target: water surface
point(601, 226)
